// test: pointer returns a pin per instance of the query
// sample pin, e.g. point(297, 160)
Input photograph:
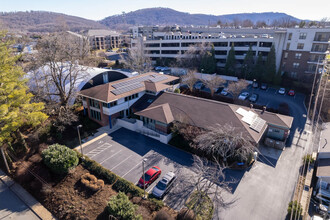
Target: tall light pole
point(78, 129)
point(312, 92)
point(144, 179)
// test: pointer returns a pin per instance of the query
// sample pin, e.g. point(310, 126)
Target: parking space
point(122, 152)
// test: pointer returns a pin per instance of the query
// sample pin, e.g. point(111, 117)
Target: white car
point(164, 185)
point(224, 92)
point(243, 95)
point(281, 91)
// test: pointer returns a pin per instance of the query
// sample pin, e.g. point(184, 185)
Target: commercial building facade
point(297, 49)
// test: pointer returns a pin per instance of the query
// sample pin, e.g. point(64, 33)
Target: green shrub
point(163, 215)
point(159, 204)
point(122, 185)
point(294, 208)
point(308, 158)
point(201, 204)
point(177, 90)
point(120, 207)
point(59, 158)
point(97, 169)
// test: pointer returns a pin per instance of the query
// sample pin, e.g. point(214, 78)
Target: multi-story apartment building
point(104, 39)
point(304, 51)
point(297, 49)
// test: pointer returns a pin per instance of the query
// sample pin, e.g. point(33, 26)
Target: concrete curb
point(96, 138)
point(26, 197)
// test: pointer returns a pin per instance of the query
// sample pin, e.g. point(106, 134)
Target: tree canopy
point(270, 66)
point(16, 108)
point(230, 66)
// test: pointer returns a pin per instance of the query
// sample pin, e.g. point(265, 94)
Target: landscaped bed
point(68, 198)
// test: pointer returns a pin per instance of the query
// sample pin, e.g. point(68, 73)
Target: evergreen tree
point(16, 108)
point(277, 78)
point(259, 68)
point(208, 61)
point(270, 67)
point(231, 62)
point(248, 64)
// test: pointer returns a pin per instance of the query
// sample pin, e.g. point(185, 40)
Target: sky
point(99, 9)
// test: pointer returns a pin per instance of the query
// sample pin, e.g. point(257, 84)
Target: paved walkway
point(17, 203)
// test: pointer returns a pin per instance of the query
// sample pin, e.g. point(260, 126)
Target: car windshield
point(161, 185)
point(147, 177)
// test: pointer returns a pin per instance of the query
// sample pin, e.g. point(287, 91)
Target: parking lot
point(122, 152)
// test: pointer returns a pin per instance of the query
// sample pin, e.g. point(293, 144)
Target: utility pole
point(144, 180)
point(81, 150)
point(317, 97)
point(312, 92)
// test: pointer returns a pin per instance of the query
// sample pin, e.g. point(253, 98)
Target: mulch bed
point(66, 197)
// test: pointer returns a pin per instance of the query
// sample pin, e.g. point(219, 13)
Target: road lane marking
point(120, 162)
point(132, 169)
point(111, 156)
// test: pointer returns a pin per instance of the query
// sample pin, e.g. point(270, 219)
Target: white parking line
point(120, 163)
point(132, 169)
point(111, 156)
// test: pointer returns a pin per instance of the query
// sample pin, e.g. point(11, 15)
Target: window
point(93, 103)
point(285, 55)
point(300, 46)
point(105, 104)
point(288, 46)
point(298, 56)
point(96, 115)
point(302, 36)
point(290, 36)
point(134, 96)
point(295, 65)
point(283, 64)
point(111, 104)
point(293, 74)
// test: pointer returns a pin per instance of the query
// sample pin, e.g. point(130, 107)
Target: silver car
point(164, 185)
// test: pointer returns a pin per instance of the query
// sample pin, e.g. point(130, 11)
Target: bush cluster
point(99, 171)
point(296, 210)
point(59, 158)
point(120, 207)
point(120, 184)
point(159, 204)
point(127, 187)
point(91, 182)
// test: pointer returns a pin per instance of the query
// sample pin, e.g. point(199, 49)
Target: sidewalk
point(17, 203)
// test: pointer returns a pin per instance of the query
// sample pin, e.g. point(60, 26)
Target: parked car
point(164, 185)
point(158, 68)
point(243, 95)
point(218, 90)
point(224, 92)
point(199, 85)
point(281, 91)
point(253, 97)
point(150, 176)
point(291, 92)
point(264, 86)
point(255, 84)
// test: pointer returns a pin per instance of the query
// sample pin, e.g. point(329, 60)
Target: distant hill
point(42, 21)
point(167, 16)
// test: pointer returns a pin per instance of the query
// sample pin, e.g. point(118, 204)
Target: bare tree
point(210, 183)
point(136, 59)
point(237, 22)
point(235, 88)
point(213, 82)
point(55, 72)
point(189, 79)
point(192, 57)
point(247, 23)
point(224, 142)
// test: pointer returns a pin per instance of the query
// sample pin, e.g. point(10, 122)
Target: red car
point(150, 176)
point(291, 92)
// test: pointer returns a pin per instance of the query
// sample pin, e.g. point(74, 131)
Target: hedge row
point(119, 184)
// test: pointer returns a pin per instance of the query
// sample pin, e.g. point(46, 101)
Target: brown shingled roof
point(103, 92)
point(205, 113)
point(160, 113)
point(155, 87)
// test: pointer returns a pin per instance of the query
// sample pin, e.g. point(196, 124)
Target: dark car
point(150, 176)
point(253, 97)
point(255, 84)
point(264, 86)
